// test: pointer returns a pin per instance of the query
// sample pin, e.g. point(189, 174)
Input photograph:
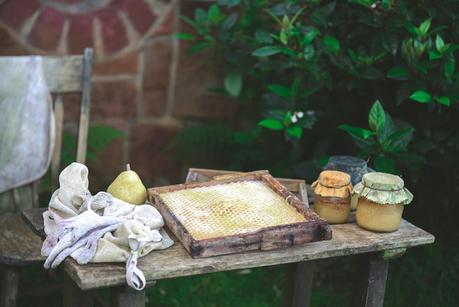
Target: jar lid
point(334, 179)
point(383, 181)
point(333, 184)
point(382, 188)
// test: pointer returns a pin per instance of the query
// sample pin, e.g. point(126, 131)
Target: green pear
point(128, 187)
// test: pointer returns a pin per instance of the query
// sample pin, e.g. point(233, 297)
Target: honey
point(230, 209)
point(381, 200)
point(333, 196)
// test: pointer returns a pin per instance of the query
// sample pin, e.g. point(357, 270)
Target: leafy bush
point(300, 69)
point(295, 63)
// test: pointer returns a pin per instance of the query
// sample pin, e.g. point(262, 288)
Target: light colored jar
point(381, 199)
point(333, 196)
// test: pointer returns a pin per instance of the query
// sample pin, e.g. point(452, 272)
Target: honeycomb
point(229, 209)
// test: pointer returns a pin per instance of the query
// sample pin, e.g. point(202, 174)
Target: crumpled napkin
point(99, 228)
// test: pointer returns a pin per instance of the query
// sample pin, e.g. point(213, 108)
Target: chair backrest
point(69, 74)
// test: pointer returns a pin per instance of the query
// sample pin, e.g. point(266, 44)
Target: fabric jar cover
point(333, 184)
point(382, 188)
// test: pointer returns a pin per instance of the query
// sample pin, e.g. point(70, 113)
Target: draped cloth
point(99, 228)
point(26, 122)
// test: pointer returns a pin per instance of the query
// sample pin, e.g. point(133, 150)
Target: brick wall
point(144, 83)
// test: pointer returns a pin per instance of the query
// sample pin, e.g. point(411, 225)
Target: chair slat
point(85, 102)
point(56, 159)
point(63, 74)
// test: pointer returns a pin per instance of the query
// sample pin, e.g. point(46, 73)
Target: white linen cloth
point(99, 228)
point(26, 122)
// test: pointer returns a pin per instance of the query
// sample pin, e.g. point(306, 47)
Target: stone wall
point(144, 83)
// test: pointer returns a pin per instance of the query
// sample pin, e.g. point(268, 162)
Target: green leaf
point(385, 164)
point(425, 26)
point(263, 37)
point(280, 90)
point(214, 14)
point(230, 21)
point(185, 36)
point(295, 131)
point(443, 100)
point(439, 43)
point(356, 131)
point(398, 73)
point(198, 47)
point(372, 73)
point(434, 55)
point(233, 83)
point(310, 36)
point(331, 43)
point(228, 3)
point(308, 52)
point(399, 140)
point(283, 36)
point(421, 96)
point(272, 124)
point(266, 51)
point(200, 16)
point(377, 117)
point(449, 67)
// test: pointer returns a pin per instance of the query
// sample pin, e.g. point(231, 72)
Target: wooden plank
point(370, 283)
point(56, 158)
point(348, 239)
point(203, 174)
point(311, 229)
point(122, 296)
point(18, 244)
point(302, 282)
point(63, 74)
point(84, 108)
point(9, 284)
point(74, 296)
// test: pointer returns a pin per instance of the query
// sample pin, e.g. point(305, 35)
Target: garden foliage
point(315, 78)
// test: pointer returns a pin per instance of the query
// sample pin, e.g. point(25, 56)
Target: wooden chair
point(19, 246)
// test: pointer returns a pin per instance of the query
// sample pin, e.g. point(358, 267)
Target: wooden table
point(375, 249)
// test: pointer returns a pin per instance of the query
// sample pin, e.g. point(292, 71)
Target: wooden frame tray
point(312, 229)
point(296, 186)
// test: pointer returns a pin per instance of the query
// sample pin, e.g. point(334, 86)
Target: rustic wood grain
point(18, 244)
point(84, 107)
point(9, 281)
point(268, 238)
point(74, 296)
point(348, 239)
point(302, 283)
point(63, 74)
point(56, 158)
point(370, 282)
point(122, 296)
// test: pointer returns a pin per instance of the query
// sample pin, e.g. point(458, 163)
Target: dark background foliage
point(377, 79)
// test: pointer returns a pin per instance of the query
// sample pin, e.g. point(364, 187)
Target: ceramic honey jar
point(333, 196)
point(381, 200)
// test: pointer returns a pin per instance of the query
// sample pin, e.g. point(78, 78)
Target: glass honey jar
point(333, 196)
point(381, 200)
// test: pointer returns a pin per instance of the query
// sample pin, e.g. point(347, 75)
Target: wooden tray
point(296, 186)
point(268, 238)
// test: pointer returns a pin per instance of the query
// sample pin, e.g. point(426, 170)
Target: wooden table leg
point(299, 282)
point(9, 284)
point(74, 296)
point(125, 296)
point(370, 283)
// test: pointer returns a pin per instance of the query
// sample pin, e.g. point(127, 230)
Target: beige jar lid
point(333, 184)
point(383, 189)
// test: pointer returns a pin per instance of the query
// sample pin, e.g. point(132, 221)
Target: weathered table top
point(348, 239)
